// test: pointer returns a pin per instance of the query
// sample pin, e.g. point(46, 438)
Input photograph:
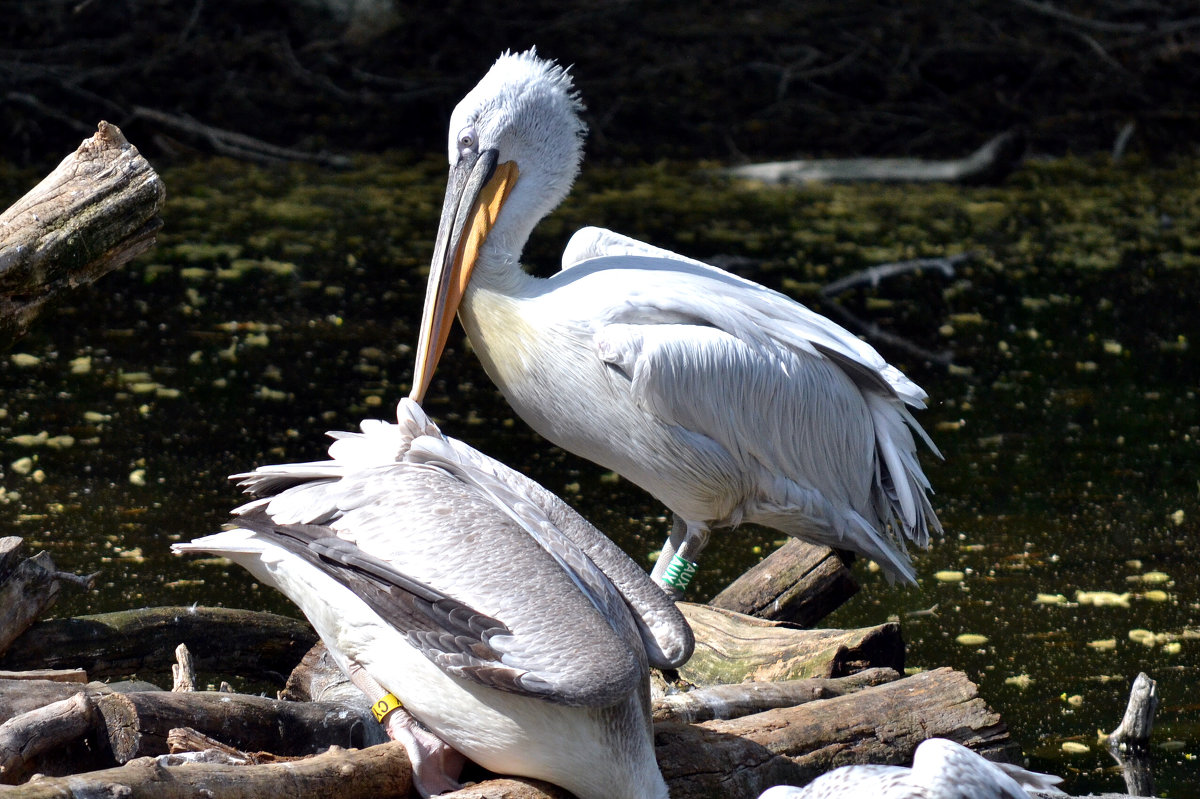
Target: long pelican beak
point(475, 191)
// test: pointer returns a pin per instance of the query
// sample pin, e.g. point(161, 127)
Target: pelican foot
point(435, 764)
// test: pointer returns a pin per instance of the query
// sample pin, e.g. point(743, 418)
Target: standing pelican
point(941, 769)
point(469, 599)
point(727, 401)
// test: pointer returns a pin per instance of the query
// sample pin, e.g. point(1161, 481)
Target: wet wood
point(799, 583)
point(243, 642)
point(28, 588)
point(744, 699)
point(378, 772)
point(732, 648)
point(139, 724)
point(97, 210)
point(1138, 722)
point(25, 737)
point(880, 724)
point(991, 163)
point(183, 671)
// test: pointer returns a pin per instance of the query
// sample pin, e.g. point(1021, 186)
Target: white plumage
point(727, 401)
point(941, 769)
point(504, 622)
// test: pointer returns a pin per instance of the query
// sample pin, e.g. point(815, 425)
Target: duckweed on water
point(283, 302)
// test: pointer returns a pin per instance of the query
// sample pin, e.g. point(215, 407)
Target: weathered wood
point(744, 699)
point(243, 642)
point(317, 678)
point(97, 210)
point(183, 671)
point(53, 675)
point(22, 696)
point(378, 772)
point(991, 163)
point(799, 583)
point(31, 589)
point(25, 737)
point(732, 648)
point(11, 548)
point(1129, 742)
point(882, 724)
point(508, 788)
point(138, 724)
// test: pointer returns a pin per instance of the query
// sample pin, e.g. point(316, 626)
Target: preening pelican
point(941, 769)
point(727, 401)
point(492, 613)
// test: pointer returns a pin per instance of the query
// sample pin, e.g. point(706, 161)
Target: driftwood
point(28, 588)
point(732, 648)
point(53, 675)
point(138, 724)
point(248, 643)
point(1129, 742)
point(373, 773)
point(744, 699)
point(799, 583)
point(31, 734)
point(991, 163)
point(97, 210)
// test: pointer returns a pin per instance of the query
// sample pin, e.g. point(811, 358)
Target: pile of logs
point(762, 702)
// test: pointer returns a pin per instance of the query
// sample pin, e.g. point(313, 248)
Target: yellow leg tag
point(385, 705)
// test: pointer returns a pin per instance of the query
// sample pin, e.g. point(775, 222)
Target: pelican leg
point(676, 564)
point(435, 764)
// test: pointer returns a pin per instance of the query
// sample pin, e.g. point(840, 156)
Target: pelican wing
point(598, 242)
point(611, 580)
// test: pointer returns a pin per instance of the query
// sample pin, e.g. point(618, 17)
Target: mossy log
point(97, 210)
point(732, 648)
point(799, 583)
point(377, 772)
point(746, 698)
point(247, 643)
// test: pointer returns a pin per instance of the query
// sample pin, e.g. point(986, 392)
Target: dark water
point(280, 304)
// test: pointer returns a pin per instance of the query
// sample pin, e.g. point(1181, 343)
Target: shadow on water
point(283, 303)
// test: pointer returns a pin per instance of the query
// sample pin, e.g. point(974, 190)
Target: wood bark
point(882, 724)
point(53, 675)
point(243, 642)
point(799, 583)
point(27, 589)
point(25, 737)
point(139, 724)
point(732, 648)
point(97, 210)
point(744, 699)
point(377, 772)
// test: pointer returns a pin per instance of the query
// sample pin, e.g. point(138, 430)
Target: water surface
point(282, 303)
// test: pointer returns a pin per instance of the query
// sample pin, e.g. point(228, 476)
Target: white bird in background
point(489, 611)
point(727, 401)
point(941, 769)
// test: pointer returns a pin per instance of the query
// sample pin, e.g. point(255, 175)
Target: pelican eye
point(468, 142)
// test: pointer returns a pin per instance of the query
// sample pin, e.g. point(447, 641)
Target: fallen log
point(247, 643)
point(991, 163)
point(53, 675)
point(882, 724)
point(97, 210)
point(27, 589)
point(799, 583)
point(139, 724)
point(26, 737)
point(744, 699)
point(732, 648)
point(377, 772)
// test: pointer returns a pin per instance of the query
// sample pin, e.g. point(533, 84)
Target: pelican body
point(941, 769)
point(503, 622)
point(727, 401)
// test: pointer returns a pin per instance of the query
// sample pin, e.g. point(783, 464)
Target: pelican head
point(516, 141)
